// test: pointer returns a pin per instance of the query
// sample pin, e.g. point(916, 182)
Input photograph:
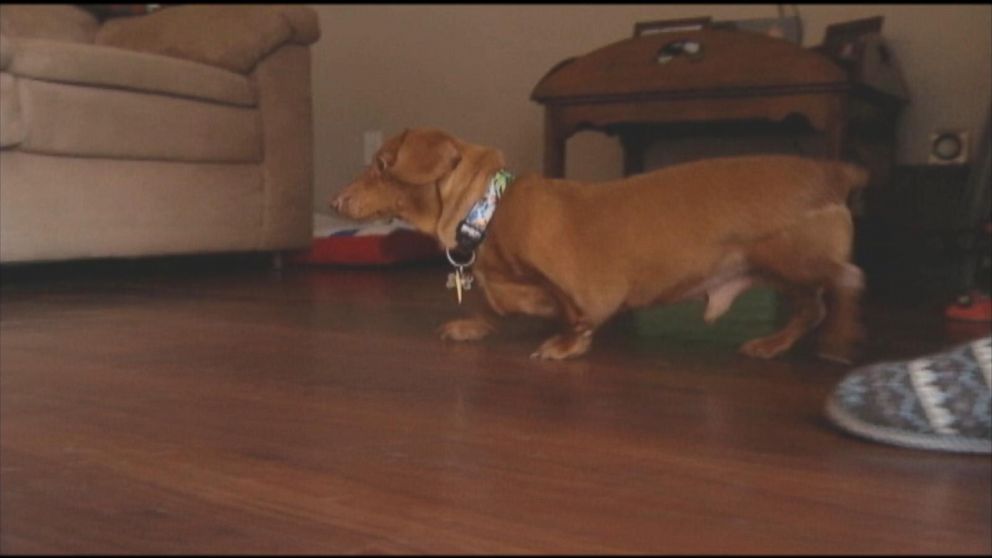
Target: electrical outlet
point(373, 141)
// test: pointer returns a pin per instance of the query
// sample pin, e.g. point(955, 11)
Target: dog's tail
point(847, 177)
point(855, 176)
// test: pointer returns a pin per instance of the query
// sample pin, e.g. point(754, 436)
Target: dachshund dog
point(582, 252)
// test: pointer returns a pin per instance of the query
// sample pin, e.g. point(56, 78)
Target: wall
point(470, 69)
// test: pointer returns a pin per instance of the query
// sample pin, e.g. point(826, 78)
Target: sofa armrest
point(234, 37)
point(282, 81)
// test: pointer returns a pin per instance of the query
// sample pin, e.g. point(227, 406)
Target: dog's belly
point(720, 287)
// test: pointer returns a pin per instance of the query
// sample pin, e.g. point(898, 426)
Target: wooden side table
point(705, 75)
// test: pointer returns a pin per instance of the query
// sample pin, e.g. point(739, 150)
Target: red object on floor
point(396, 247)
point(975, 307)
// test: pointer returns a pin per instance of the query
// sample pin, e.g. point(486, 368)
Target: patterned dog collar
point(472, 229)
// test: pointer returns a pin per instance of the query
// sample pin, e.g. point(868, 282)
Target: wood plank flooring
point(239, 410)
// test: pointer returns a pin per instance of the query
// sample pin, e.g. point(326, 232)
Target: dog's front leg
point(583, 315)
point(570, 344)
point(468, 329)
point(482, 318)
point(502, 296)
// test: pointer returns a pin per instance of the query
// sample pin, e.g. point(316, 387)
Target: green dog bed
point(755, 313)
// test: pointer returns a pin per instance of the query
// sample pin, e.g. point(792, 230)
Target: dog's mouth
point(381, 215)
point(363, 214)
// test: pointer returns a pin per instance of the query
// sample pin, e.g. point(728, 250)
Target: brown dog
point(583, 252)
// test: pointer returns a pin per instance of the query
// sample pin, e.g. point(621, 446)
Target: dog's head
point(423, 176)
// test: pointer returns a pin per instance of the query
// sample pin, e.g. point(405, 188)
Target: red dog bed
point(341, 242)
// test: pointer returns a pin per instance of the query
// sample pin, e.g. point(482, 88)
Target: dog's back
point(743, 197)
point(730, 199)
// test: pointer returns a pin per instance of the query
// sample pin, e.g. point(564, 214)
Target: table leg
point(634, 145)
point(835, 139)
point(836, 127)
point(554, 146)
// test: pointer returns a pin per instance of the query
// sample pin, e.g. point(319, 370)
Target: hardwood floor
point(228, 409)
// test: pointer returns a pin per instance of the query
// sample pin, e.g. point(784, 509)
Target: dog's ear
point(463, 189)
point(386, 157)
point(421, 156)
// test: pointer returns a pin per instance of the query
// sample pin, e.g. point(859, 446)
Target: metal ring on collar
point(447, 252)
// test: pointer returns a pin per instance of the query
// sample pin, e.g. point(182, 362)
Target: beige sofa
point(187, 130)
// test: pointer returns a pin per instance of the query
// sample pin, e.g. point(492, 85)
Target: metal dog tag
point(460, 281)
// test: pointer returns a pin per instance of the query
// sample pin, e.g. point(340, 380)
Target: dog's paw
point(842, 347)
point(470, 329)
point(840, 352)
point(836, 357)
point(564, 346)
point(764, 347)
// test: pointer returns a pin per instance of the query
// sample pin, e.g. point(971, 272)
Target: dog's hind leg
point(814, 255)
point(807, 311)
point(842, 331)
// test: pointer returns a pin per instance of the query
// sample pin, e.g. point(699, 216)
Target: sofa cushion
point(54, 208)
point(113, 67)
point(235, 37)
point(48, 21)
point(76, 120)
